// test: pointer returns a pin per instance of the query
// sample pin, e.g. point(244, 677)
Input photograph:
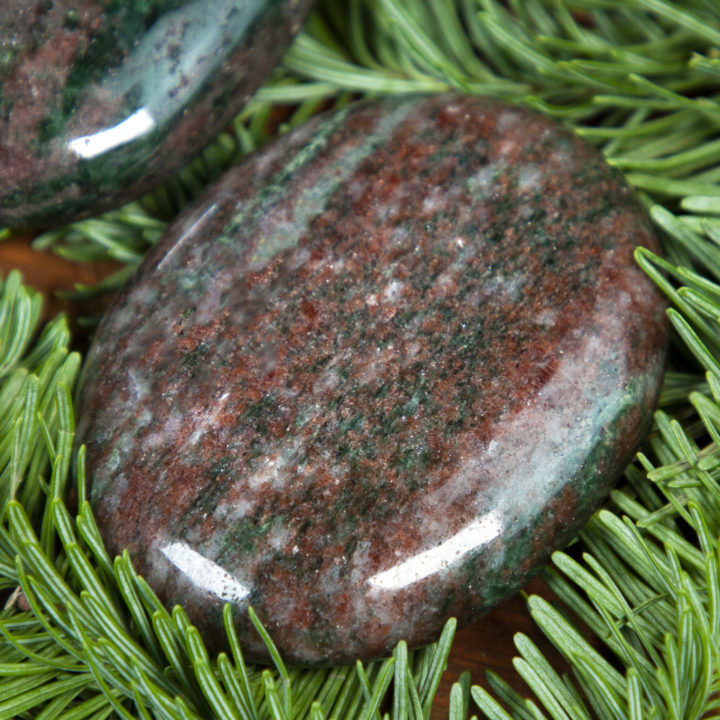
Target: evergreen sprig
point(638, 611)
point(81, 634)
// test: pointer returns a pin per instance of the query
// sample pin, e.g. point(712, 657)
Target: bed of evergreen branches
point(83, 636)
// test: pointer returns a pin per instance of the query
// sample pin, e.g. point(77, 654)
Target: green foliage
point(636, 78)
point(81, 634)
point(637, 617)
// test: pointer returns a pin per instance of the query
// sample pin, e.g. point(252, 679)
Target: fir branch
point(111, 634)
point(648, 585)
point(607, 80)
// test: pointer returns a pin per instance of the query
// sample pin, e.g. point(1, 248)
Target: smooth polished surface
point(375, 376)
point(102, 99)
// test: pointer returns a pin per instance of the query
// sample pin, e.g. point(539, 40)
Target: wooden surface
point(49, 273)
point(485, 644)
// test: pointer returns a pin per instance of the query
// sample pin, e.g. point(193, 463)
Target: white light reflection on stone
point(428, 562)
point(204, 573)
point(138, 124)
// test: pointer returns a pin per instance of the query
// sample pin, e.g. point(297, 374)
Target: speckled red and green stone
point(100, 100)
point(375, 376)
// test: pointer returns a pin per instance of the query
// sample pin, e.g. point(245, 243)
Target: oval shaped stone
point(100, 101)
point(376, 376)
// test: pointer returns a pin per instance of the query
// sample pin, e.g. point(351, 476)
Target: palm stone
point(100, 100)
point(375, 376)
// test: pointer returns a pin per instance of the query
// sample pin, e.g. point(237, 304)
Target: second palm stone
point(375, 376)
point(100, 100)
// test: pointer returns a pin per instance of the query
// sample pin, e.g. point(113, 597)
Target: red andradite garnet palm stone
point(101, 100)
point(375, 376)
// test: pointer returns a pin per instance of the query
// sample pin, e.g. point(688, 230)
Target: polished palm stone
point(102, 99)
point(375, 376)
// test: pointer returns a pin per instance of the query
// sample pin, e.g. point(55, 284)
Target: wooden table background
point(484, 644)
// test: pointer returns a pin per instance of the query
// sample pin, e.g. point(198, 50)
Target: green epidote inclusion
point(116, 46)
point(125, 23)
